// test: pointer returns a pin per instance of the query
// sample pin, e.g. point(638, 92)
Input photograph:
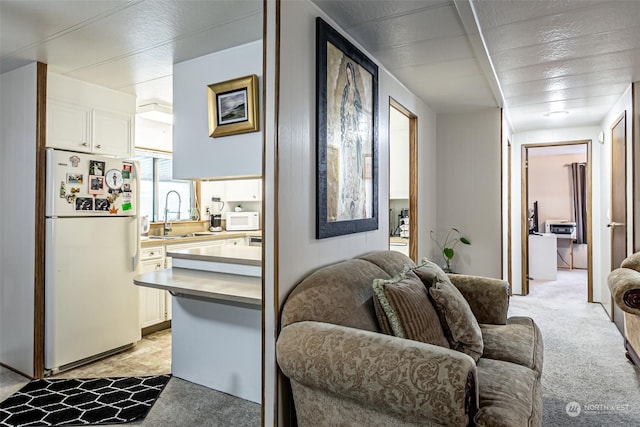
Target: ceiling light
point(556, 114)
point(156, 111)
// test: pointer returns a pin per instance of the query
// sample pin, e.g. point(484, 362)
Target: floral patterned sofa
point(624, 283)
point(343, 370)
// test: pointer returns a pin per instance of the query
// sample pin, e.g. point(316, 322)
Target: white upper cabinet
point(244, 190)
point(88, 118)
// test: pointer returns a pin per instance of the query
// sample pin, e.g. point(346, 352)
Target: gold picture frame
point(233, 106)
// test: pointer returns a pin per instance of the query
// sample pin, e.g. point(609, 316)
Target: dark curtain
point(578, 180)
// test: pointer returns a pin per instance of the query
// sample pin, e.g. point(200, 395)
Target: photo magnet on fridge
point(84, 204)
point(96, 168)
point(96, 184)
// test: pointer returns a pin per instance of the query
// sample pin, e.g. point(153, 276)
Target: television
point(533, 218)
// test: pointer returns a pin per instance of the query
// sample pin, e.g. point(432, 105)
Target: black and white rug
point(57, 402)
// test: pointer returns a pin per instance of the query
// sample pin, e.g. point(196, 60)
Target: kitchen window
point(156, 180)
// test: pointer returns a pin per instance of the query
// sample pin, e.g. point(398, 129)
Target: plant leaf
point(448, 252)
point(465, 241)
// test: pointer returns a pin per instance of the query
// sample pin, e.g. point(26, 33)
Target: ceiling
point(531, 57)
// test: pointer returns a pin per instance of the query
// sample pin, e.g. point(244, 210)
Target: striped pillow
point(404, 310)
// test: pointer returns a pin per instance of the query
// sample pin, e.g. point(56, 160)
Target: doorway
point(556, 211)
point(403, 180)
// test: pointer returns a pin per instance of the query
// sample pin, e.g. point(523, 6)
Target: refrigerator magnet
point(126, 170)
point(74, 161)
point(84, 204)
point(113, 210)
point(63, 190)
point(75, 178)
point(126, 187)
point(96, 184)
point(71, 198)
point(101, 204)
point(96, 168)
point(114, 179)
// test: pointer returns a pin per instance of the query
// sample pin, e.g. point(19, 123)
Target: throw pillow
point(404, 310)
point(459, 323)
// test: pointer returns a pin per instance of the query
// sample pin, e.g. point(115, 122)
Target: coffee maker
point(216, 214)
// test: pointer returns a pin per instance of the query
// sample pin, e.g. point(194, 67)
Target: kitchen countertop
point(216, 286)
point(203, 236)
point(245, 255)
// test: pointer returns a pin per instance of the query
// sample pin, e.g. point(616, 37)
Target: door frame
point(524, 210)
point(615, 310)
point(413, 176)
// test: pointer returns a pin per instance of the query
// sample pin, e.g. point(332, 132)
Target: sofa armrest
point(411, 380)
point(487, 297)
point(632, 262)
point(624, 284)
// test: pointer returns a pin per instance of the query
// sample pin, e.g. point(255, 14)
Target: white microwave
point(242, 221)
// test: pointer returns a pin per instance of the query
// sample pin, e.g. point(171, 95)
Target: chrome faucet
point(167, 225)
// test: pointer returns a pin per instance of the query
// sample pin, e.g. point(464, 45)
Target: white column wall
point(18, 100)
point(195, 154)
point(468, 175)
point(299, 252)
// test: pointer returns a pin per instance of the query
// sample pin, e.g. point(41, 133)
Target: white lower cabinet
point(155, 304)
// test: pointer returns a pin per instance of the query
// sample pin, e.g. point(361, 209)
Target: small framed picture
point(233, 106)
point(96, 168)
point(96, 184)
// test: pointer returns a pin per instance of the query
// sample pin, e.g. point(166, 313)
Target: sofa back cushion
point(404, 310)
point(339, 293)
point(459, 324)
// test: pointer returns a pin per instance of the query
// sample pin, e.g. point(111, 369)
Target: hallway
point(584, 357)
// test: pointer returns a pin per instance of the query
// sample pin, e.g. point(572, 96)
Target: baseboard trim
point(157, 327)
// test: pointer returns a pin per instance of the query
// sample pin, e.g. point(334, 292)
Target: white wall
point(195, 154)
point(17, 220)
point(507, 136)
point(548, 136)
point(299, 253)
point(468, 175)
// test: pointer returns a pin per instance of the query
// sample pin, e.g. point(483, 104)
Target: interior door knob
point(614, 224)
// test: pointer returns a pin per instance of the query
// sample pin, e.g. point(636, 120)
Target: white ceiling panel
point(426, 52)
point(577, 55)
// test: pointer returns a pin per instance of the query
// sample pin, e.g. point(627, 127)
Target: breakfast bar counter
point(216, 328)
point(242, 260)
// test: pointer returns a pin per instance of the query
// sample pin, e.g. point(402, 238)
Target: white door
point(91, 303)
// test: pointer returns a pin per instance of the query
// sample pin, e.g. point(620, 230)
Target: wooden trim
point(589, 221)
point(166, 324)
point(509, 222)
point(524, 232)
point(279, 377)
point(635, 172)
point(40, 222)
point(413, 177)
point(524, 191)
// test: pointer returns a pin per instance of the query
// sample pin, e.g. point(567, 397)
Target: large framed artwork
point(347, 136)
point(233, 106)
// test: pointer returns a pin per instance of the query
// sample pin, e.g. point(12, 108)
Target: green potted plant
point(447, 247)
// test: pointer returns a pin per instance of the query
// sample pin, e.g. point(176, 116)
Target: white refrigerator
point(92, 248)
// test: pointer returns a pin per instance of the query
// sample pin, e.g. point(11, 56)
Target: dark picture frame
point(233, 106)
point(346, 135)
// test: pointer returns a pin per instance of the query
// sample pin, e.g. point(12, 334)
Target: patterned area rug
point(57, 402)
